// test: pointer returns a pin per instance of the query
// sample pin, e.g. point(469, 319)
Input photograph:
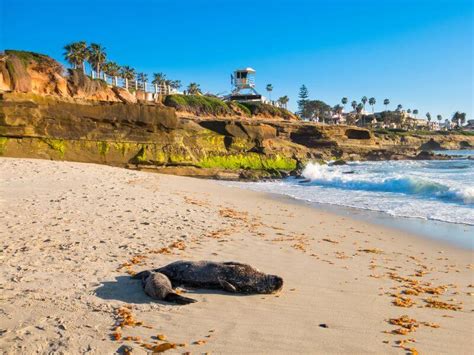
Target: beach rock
point(431, 145)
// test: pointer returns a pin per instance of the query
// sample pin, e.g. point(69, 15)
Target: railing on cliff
point(152, 90)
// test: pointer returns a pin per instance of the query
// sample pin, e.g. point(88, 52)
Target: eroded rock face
point(358, 134)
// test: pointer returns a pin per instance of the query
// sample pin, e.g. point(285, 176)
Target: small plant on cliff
point(76, 54)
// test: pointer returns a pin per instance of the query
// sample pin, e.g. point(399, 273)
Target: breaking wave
point(342, 177)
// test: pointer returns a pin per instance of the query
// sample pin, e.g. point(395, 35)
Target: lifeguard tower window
point(241, 75)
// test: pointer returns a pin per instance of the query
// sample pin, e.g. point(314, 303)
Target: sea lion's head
point(270, 284)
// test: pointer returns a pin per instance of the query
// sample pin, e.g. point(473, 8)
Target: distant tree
point(364, 101)
point(76, 54)
point(193, 89)
point(359, 108)
point(456, 119)
point(303, 100)
point(96, 57)
point(386, 102)
point(354, 105)
point(399, 107)
point(159, 79)
point(463, 118)
point(415, 112)
point(112, 69)
point(284, 101)
point(337, 109)
point(317, 108)
point(409, 110)
point(269, 89)
point(344, 101)
point(428, 116)
point(440, 118)
point(372, 103)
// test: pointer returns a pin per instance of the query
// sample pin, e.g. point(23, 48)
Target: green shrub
point(260, 108)
point(198, 104)
point(237, 106)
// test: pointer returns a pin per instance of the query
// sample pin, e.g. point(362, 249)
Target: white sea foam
point(437, 190)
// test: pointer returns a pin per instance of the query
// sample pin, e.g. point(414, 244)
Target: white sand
point(67, 227)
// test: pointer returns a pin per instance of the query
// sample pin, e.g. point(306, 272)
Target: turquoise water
point(434, 190)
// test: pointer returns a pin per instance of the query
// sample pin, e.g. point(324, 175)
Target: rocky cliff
point(45, 114)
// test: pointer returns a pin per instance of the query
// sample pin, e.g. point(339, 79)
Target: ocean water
point(438, 190)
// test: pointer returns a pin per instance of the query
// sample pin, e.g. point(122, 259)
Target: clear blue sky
point(415, 52)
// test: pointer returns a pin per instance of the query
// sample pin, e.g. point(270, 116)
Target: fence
point(156, 89)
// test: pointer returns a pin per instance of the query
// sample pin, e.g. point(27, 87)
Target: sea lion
point(158, 286)
point(229, 276)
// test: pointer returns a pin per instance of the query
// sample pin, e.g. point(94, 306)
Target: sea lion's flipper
point(175, 298)
point(227, 286)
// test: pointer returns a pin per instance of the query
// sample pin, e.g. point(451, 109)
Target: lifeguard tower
point(243, 85)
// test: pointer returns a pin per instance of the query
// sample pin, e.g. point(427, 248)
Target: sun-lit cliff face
point(47, 114)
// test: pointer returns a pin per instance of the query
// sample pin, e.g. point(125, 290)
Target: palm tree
point(142, 78)
point(112, 69)
point(463, 117)
point(428, 116)
point(440, 118)
point(76, 53)
point(359, 107)
point(269, 88)
point(284, 101)
point(194, 89)
point(386, 102)
point(364, 101)
point(399, 107)
point(159, 78)
point(415, 112)
point(372, 102)
point(354, 104)
point(174, 84)
point(127, 73)
point(344, 102)
point(97, 57)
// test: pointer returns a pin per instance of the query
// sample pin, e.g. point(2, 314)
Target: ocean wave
point(342, 178)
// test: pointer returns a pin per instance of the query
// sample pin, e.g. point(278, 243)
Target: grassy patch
point(251, 161)
point(198, 104)
point(43, 62)
point(259, 108)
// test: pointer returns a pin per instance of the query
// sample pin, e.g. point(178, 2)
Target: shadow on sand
point(128, 290)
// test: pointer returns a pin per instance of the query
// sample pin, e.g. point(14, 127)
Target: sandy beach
point(72, 233)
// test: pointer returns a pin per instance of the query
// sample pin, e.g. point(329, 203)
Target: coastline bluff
point(47, 113)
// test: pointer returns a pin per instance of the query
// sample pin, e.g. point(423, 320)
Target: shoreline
point(68, 229)
point(433, 230)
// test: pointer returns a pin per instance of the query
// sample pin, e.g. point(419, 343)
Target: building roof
point(248, 69)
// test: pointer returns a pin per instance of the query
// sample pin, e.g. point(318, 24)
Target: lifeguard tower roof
point(248, 70)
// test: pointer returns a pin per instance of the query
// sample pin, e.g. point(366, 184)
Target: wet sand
point(71, 235)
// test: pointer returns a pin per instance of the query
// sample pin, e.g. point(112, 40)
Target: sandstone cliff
point(45, 114)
